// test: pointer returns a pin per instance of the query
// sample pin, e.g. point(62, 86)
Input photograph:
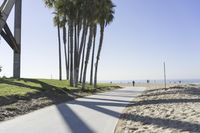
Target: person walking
point(133, 82)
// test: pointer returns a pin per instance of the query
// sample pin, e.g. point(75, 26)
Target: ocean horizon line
point(153, 81)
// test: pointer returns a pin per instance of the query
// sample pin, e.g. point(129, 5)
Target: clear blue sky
point(144, 34)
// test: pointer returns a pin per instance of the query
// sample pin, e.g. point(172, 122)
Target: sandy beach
point(147, 85)
point(158, 110)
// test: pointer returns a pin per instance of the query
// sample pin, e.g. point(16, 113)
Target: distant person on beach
point(133, 82)
point(148, 81)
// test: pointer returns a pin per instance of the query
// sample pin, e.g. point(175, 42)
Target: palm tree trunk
point(71, 54)
point(59, 50)
point(65, 50)
point(89, 45)
point(68, 49)
point(75, 55)
point(98, 54)
point(82, 49)
point(79, 27)
point(82, 38)
point(93, 50)
point(83, 55)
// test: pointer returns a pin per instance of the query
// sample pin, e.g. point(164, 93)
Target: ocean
point(184, 81)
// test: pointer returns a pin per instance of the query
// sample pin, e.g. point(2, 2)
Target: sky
point(143, 35)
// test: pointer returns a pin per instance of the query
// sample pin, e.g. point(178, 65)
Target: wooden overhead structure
point(14, 41)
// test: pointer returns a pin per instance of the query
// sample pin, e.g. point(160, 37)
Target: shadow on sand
point(165, 123)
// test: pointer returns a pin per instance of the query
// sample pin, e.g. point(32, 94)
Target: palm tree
point(82, 20)
point(79, 10)
point(68, 53)
point(106, 16)
point(92, 21)
point(89, 45)
point(93, 51)
point(66, 7)
point(71, 54)
point(82, 51)
point(57, 23)
point(65, 49)
point(51, 4)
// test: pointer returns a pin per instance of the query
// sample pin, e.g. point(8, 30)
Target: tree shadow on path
point(100, 107)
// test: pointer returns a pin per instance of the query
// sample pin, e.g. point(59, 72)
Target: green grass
point(7, 89)
point(22, 87)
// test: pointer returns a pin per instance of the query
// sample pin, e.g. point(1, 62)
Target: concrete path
point(93, 114)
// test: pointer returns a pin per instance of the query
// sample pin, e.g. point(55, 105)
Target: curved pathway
point(93, 114)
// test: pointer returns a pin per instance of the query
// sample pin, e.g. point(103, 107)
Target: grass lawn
point(22, 87)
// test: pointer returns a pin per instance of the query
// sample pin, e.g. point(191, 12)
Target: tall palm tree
point(51, 4)
point(67, 7)
point(75, 55)
point(89, 45)
point(91, 17)
point(82, 20)
point(68, 53)
point(93, 51)
point(71, 54)
point(106, 16)
point(83, 55)
point(57, 23)
point(65, 49)
point(81, 52)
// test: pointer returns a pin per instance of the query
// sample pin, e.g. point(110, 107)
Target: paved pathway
point(93, 114)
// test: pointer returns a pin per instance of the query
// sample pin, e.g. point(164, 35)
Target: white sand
point(173, 110)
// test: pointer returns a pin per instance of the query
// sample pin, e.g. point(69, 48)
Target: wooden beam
point(10, 35)
point(7, 39)
point(5, 11)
